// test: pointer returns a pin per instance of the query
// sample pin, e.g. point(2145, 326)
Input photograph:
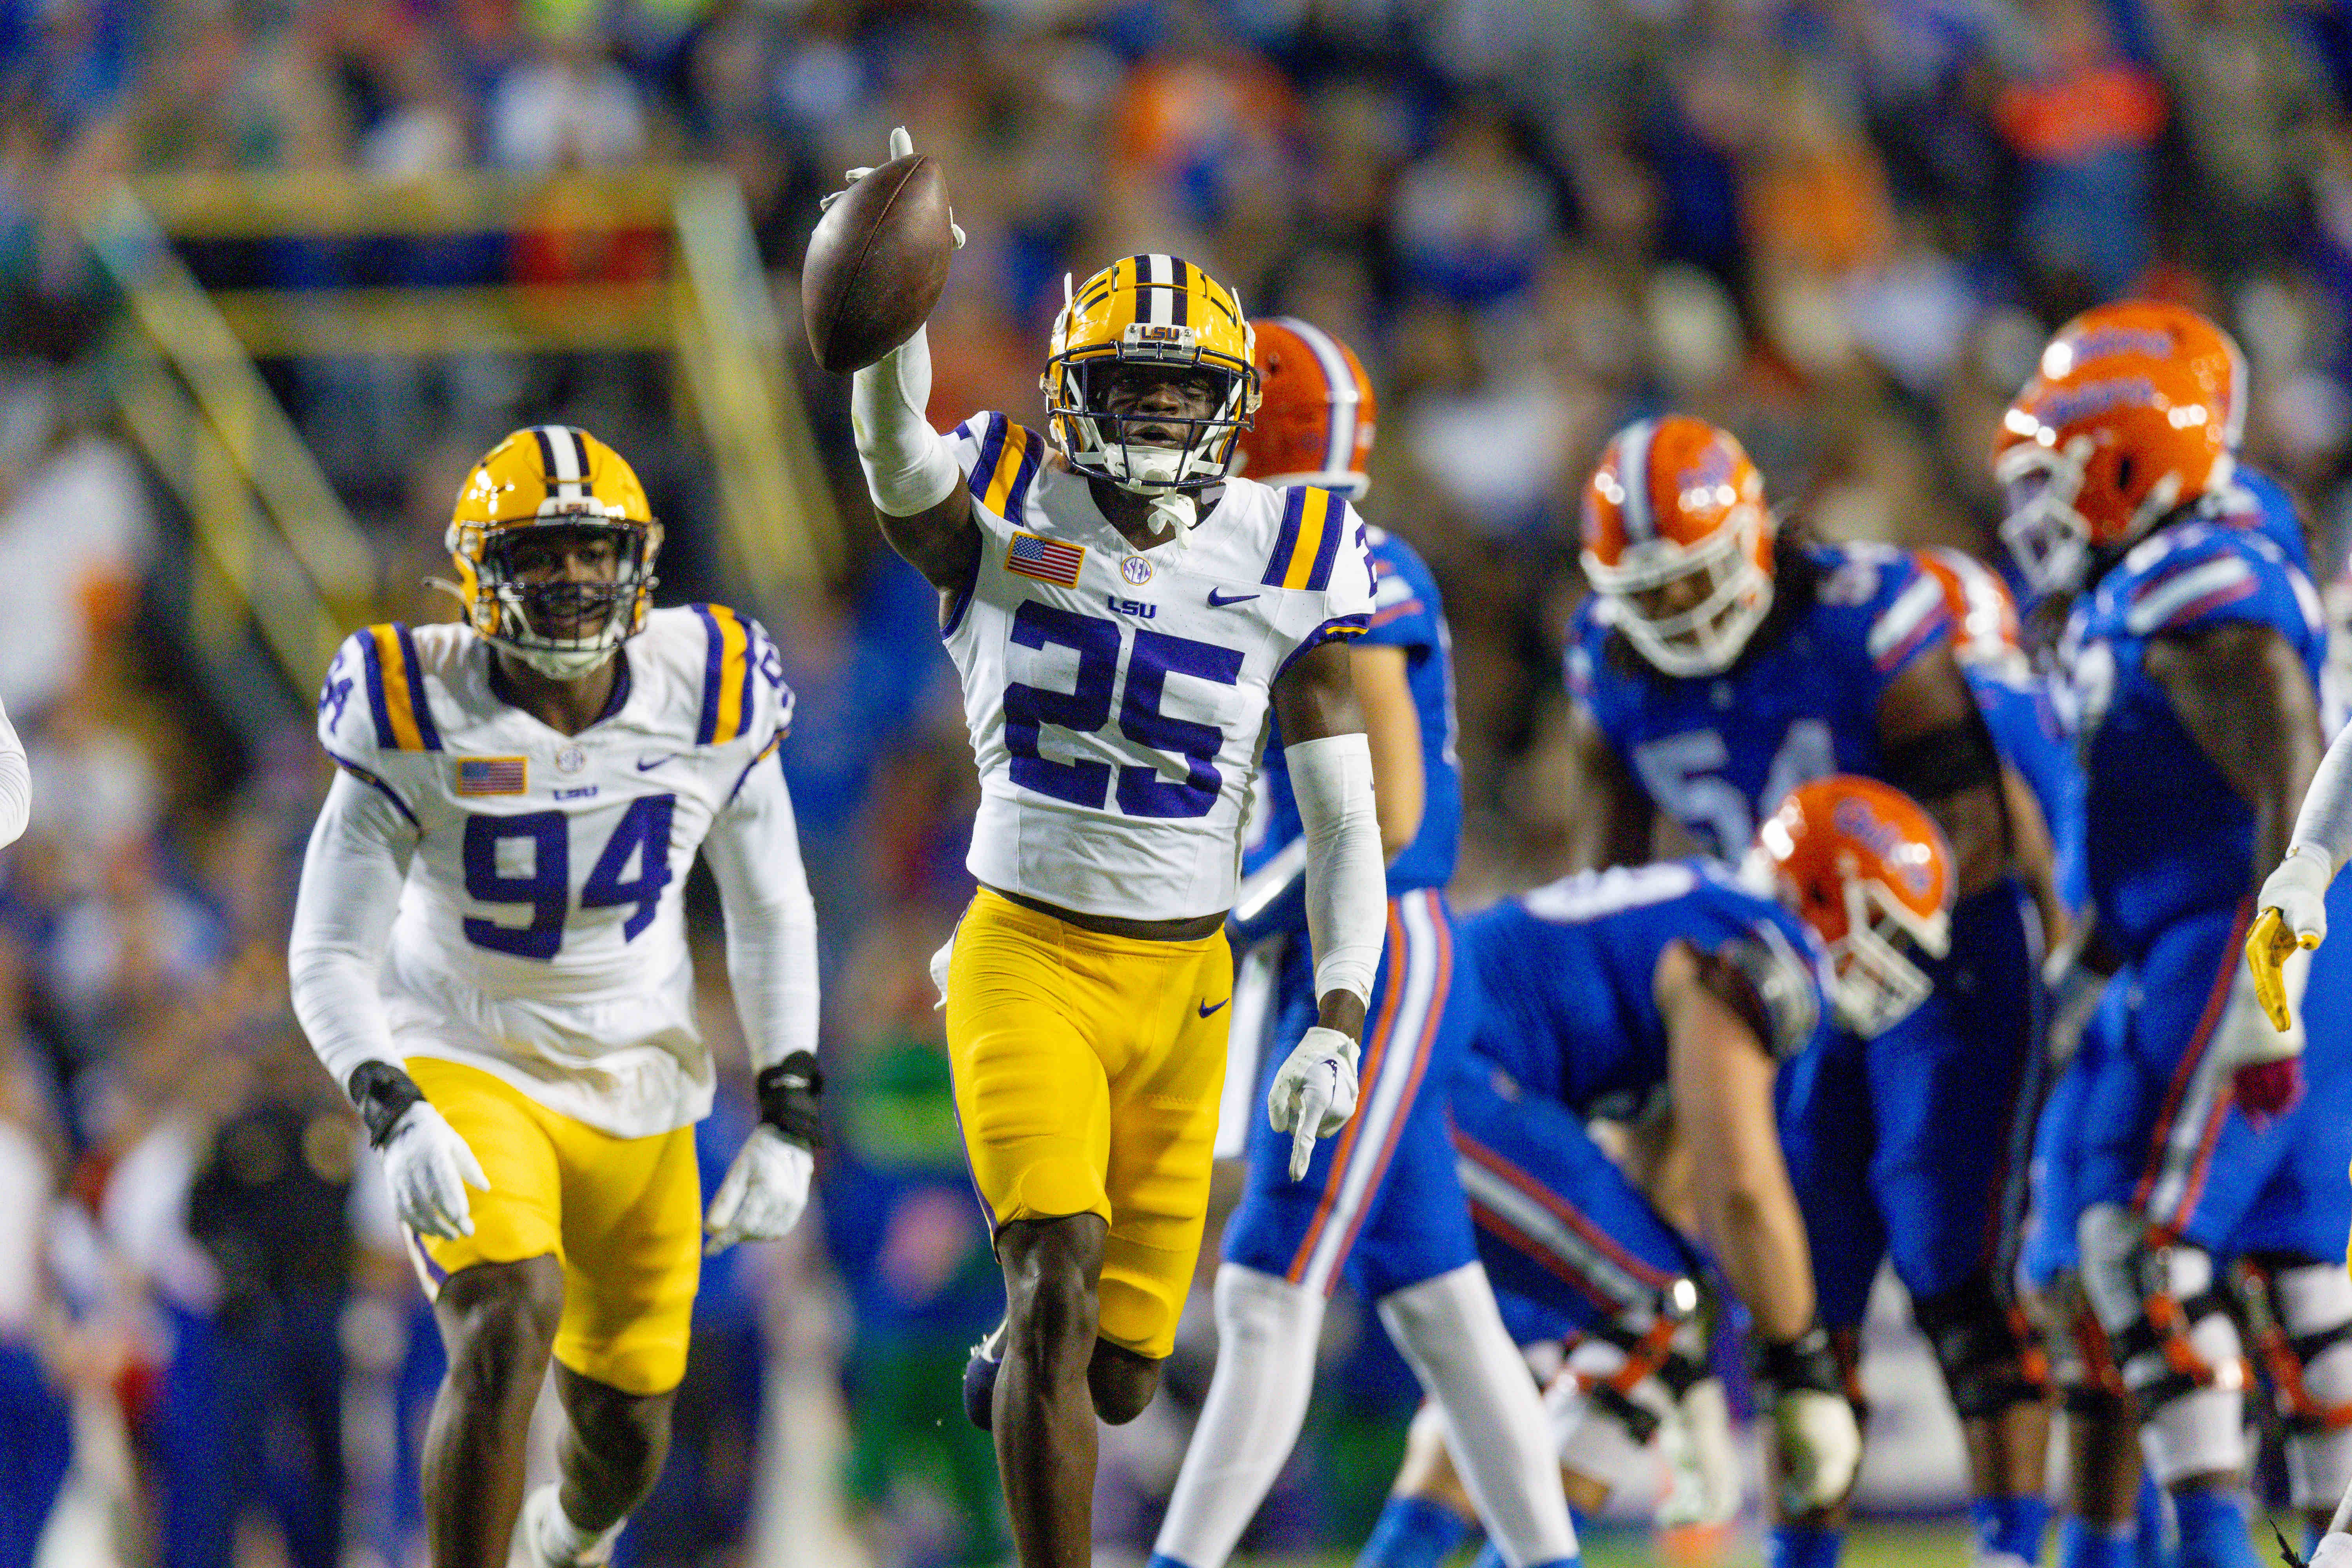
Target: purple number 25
point(1086, 707)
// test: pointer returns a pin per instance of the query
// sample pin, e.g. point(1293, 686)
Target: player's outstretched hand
point(764, 1192)
point(1820, 1445)
point(902, 145)
point(429, 1167)
point(2294, 905)
point(1314, 1093)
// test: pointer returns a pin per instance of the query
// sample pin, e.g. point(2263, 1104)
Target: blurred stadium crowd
point(1840, 228)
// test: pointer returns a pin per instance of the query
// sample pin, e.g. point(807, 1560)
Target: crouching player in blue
point(1610, 991)
point(1381, 1200)
point(2192, 654)
point(1715, 668)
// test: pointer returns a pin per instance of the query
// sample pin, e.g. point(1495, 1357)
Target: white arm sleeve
point(352, 878)
point(1347, 886)
point(2325, 823)
point(754, 850)
point(909, 467)
point(15, 784)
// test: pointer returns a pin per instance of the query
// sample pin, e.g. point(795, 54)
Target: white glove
point(940, 962)
point(764, 1192)
point(1314, 1093)
point(1702, 1466)
point(1819, 1446)
point(901, 144)
point(2298, 891)
point(429, 1167)
point(2335, 1550)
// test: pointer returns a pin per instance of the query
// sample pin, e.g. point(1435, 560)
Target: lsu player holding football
point(2192, 656)
point(1716, 666)
point(490, 955)
point(1381, 1202)
point(1124, 615)
point(1681, 986)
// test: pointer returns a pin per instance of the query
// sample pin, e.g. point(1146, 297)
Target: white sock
point(560, 1539)
point(1266, 1332)
point(1453, 1335)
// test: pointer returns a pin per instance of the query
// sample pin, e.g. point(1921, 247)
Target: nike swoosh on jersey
point(1217, 604)
point(1207, 1011)
point(646, 766)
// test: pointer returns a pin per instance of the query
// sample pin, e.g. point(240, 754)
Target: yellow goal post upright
point(276, 550)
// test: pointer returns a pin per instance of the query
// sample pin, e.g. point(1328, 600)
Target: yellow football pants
point(1087, 1069)
point(622, 1216)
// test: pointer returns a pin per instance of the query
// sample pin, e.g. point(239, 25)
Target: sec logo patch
point(1135, 570)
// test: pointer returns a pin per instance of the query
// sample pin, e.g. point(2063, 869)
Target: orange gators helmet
point(1978, 602)
point(2158, 329)
point(1869, 871)
point(2091, 459)
point(1315, 411)
point(545, 478)
point(1676, 538)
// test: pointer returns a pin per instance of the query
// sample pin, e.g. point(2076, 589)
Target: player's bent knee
point(499, 1322)
point(2306, 1349)
point(2171, 1336)
point(1992, 1357)
point(1122, 1382)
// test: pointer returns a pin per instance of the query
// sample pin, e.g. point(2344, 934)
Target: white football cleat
point(550, 1540)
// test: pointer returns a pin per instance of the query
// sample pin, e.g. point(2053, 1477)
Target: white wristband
point(909, 467)
point(1347, 884)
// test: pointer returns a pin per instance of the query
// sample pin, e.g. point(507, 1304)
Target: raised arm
point(911, 470)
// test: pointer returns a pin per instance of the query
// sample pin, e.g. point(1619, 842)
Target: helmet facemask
point(1709, 636)
point(2046, 533)
point(1875, 984)
point(558, 625)
point(1101, 445)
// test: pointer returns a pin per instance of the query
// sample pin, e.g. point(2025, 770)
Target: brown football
point(877, 263)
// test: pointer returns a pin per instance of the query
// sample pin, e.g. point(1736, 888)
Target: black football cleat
point(980, 1371)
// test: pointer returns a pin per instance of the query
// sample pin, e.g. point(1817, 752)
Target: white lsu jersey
point(1118, 698)
point(540, 933)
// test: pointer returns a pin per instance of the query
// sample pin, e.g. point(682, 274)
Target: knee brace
point(1605, 1372)
point(1992, 1357)
point(2084, 1368)
point(2305, 1340)
point(2171, 1337)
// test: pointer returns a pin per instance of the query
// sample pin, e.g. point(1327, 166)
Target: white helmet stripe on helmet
point(565, 456)
point(1346, 397)
point(1159, 297)
point(1633, 474)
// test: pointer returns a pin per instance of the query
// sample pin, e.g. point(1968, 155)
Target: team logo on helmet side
point(538, 481)
point(1676, 538)
point(1162, 313)
point(1316, 411)
point(2156, 329)
point(1869, 872)
point(2091, 460)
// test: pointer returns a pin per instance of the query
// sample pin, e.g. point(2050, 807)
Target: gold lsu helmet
point(546, 478)
point(1160, 311)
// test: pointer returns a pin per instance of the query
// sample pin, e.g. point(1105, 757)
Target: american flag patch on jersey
point(1048, 560)
point(491, 775)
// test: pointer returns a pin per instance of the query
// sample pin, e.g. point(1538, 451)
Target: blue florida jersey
point(2022, 712)
point(1406, 613)
point(2253, 500)
point(1717, 752)
point(1567, 976)
point(2169, 836)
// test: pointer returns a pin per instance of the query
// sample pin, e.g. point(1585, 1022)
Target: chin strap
point(1178, 510)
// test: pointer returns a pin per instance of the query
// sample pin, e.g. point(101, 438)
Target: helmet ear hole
point(2123, 474)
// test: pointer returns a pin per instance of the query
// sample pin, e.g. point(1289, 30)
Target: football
point(877, 263)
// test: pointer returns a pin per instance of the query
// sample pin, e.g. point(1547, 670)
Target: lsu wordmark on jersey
point(540, 919)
